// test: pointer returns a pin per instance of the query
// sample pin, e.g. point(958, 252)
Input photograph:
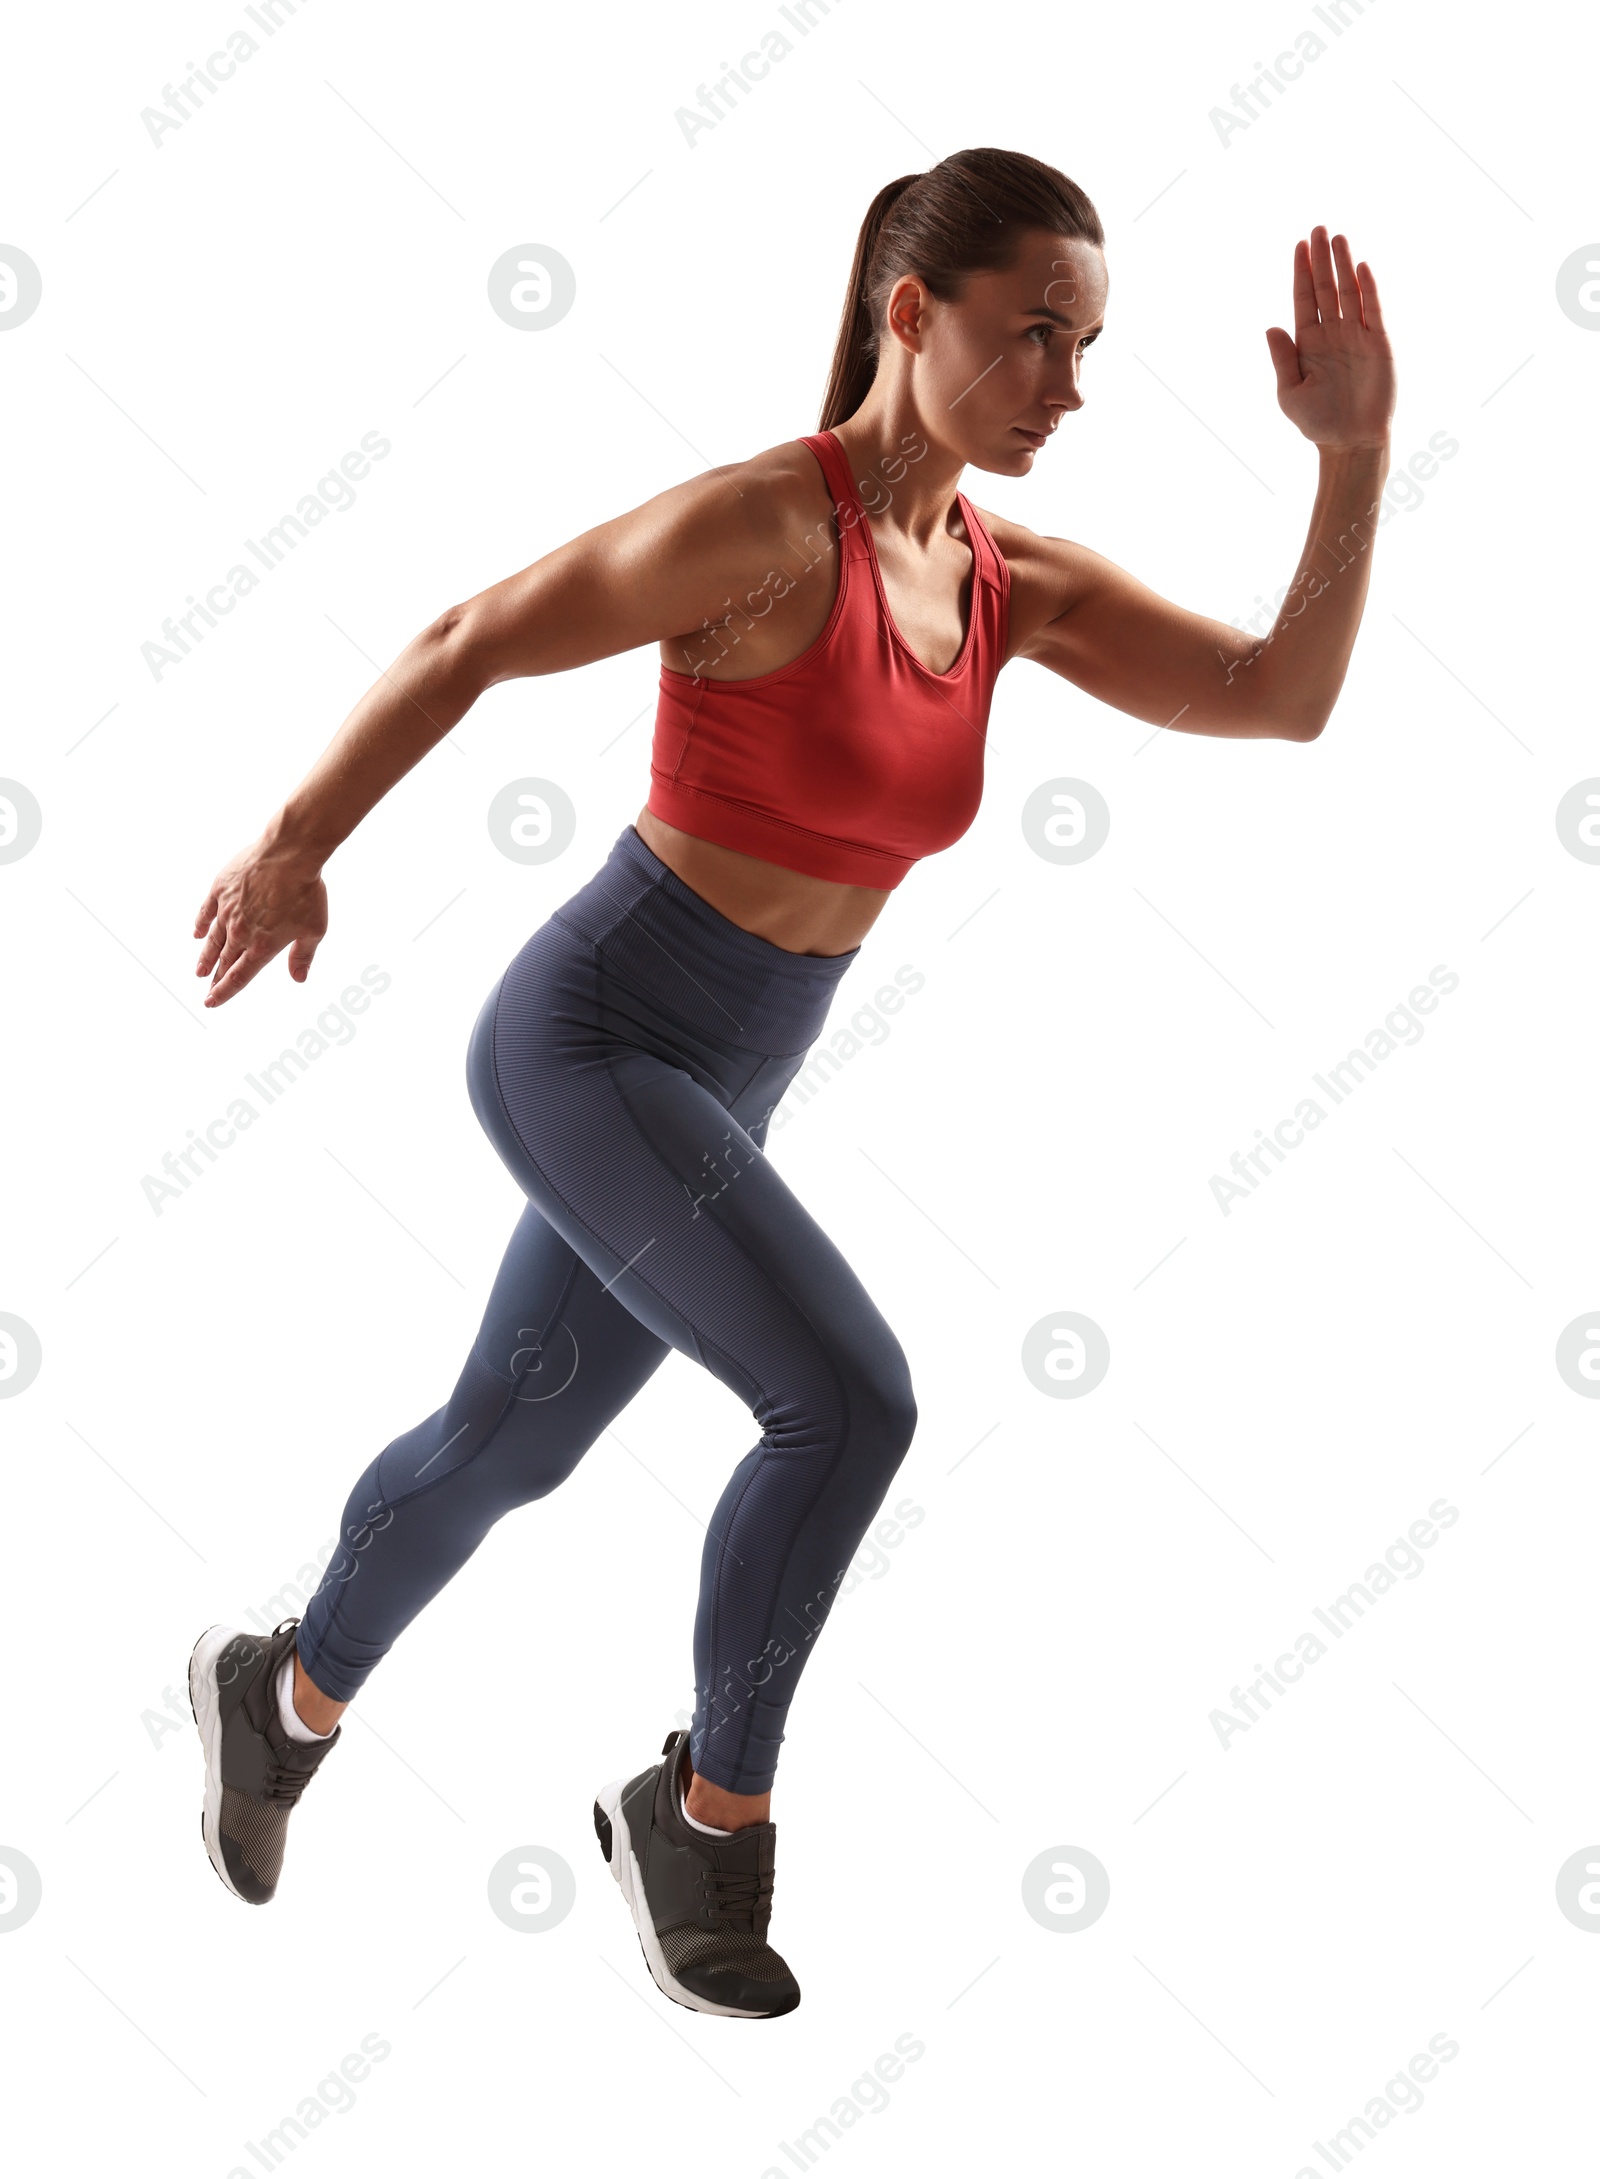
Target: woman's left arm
point(1098, 626)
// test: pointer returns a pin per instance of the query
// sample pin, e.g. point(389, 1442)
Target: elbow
point(1304, 729)
point(449, 629)
point(455, 641)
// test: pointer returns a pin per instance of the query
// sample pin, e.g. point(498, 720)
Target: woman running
point(813, 740)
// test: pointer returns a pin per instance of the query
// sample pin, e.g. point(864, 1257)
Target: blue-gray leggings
point(625, 1067)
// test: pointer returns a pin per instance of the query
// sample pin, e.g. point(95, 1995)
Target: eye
point(1085, 343)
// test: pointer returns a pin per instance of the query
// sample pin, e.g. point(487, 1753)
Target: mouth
point(1034, 438)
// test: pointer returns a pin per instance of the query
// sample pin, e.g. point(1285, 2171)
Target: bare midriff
point(785, 907)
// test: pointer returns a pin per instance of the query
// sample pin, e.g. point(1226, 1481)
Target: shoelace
point(735, 1895)
point(284, 1785)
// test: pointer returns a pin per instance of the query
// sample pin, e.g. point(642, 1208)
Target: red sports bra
point(854, 760)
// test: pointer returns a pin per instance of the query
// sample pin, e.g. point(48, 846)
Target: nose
point(1074, 398)
point(1065, 393)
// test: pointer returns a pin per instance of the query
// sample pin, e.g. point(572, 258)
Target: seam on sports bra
point(1000, 567)
point(1000, 582)
point(693, 722)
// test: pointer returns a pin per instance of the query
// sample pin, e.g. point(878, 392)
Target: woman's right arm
point(648, 574)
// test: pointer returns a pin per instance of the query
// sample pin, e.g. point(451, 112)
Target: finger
point(1371, 307)
point(216, 939)
point(235, 978)
point(1349, 285)
point(1285, 359)
point(206, 913)
point(301, 955)
point(1305, 294)
point(1322, 280)
point(227, 955)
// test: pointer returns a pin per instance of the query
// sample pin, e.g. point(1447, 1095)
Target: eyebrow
point(1043, 310)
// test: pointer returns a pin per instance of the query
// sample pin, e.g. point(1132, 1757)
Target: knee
point(855, 1396)
point(885, 1406)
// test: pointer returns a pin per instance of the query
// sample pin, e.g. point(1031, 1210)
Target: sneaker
point(254, 1772)
point(701, 1905)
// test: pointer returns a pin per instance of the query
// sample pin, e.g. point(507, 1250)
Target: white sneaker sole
point(625, 1868)
point(206, 1702)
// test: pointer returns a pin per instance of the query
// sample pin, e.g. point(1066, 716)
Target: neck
point(906, 479)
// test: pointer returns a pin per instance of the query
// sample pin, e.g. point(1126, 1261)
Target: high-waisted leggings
point(625, 1067)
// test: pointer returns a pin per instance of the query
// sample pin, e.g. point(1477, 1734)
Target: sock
point(699, 1826)
point(694, 1822)
point(288, 1716)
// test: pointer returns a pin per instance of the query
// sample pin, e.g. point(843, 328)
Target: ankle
point(725, 1811)
point(315, 1709)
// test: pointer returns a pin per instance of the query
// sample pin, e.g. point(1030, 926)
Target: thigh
point(657, 1181)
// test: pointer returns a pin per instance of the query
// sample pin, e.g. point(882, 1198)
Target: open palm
point(1336, 373)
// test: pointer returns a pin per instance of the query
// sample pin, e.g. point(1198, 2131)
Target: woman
point(831, 616)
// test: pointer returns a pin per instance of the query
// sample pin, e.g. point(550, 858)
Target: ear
point(908, 312)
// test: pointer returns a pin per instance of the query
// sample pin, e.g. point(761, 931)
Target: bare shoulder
point(673, 562)
point(1049, 575)
point(783, 491)
point(742, 537)
point(788, 473)
point(735, 509)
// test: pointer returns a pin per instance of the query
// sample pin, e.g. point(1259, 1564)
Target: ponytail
point(855, 358)
point(965, 215)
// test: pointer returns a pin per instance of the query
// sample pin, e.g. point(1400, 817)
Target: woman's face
point(994, 372)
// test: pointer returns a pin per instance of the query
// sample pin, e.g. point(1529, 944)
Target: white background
point(1035, 1665)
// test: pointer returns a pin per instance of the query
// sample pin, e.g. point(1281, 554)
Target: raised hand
point(1336, 375)
point(265, 899)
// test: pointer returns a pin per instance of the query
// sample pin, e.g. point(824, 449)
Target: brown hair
point(965, 215)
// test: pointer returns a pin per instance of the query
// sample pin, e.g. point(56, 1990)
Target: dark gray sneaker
point(254, 1772)
point(701, 1905)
